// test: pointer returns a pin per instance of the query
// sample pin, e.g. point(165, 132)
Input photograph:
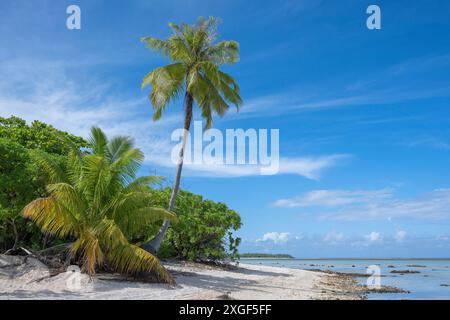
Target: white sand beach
point(30, 279)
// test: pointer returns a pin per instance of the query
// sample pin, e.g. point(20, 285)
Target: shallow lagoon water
point(427, 284)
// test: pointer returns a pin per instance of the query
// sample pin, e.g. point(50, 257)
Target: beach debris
point(226, 296)
point(416, 266)
point(401, 272)
point(384, 289)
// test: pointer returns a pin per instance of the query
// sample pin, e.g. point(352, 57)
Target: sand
point(22, 278)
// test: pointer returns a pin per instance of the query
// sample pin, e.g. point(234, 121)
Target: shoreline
point(27, 278)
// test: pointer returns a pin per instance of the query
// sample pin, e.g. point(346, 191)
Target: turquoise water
point(427, 284)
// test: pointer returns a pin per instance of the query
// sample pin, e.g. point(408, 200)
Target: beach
point(22, 278)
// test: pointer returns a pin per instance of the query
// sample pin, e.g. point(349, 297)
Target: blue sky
point(363, 115)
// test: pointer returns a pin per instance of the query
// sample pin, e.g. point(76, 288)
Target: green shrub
point(205, 228)
point(19, 184)
point(21, 180)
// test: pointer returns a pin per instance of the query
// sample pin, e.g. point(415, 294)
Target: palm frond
point(157, 45)
point(224, 52)
point(118, 146)
point(145, 181)
point(98, 141)
point(96, 179)
point(88, 247)
point(51, 217)
point(167, 83)
point(67, 196)
point(126, 166)
point(130, 259)
point(134, 222)
point(52, 169)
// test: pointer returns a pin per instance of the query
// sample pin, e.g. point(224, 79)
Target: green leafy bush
point(38, 135)
point(19, 184)
point(21, 179)
point(205, 228)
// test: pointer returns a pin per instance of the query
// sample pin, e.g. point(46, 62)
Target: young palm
point(96, 198)
point(195, 71)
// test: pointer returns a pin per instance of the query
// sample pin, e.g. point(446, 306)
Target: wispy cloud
point(374, 237)
point(334, 198)
point(420, 64)
point(400, 235)
point(309, 167)
point(293, 102)
point(334, 238)
point(372, 205)
point(427, 141)
point(379, 89)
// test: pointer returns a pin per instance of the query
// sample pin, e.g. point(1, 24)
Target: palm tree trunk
point(16, 234)
point(153, 245)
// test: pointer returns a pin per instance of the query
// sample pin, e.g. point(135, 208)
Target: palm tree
point(96, 199)
point(195, 70)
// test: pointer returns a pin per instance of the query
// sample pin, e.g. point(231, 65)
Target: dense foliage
point(18, 185)
point(22, 180)
point(38, 135)
point(204, 231)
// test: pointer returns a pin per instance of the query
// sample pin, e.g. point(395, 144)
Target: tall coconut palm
point(96, 199)
point(195, 72)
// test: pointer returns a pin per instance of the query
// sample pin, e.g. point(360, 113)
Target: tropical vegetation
point(205, 231)
point(58, 190)
point(21, 178)
point(96, 198)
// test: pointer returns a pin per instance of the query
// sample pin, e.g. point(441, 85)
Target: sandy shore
point(30, 279)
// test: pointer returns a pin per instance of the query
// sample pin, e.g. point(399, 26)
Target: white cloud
point(400, 235)
point(372, 204)
point(308, 167)
point(374, 237)
point(334, 237)
point(334, 198)
point(276, 237)
point(384, 89)
point(433, 205)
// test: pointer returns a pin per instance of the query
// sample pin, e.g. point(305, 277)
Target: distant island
point(266, 255)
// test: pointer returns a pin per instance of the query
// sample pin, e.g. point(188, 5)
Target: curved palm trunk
point(153, 245)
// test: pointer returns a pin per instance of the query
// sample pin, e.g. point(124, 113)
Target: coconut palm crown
point(96, 199)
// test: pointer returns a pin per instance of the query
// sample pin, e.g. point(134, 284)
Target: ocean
point(432, 280)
